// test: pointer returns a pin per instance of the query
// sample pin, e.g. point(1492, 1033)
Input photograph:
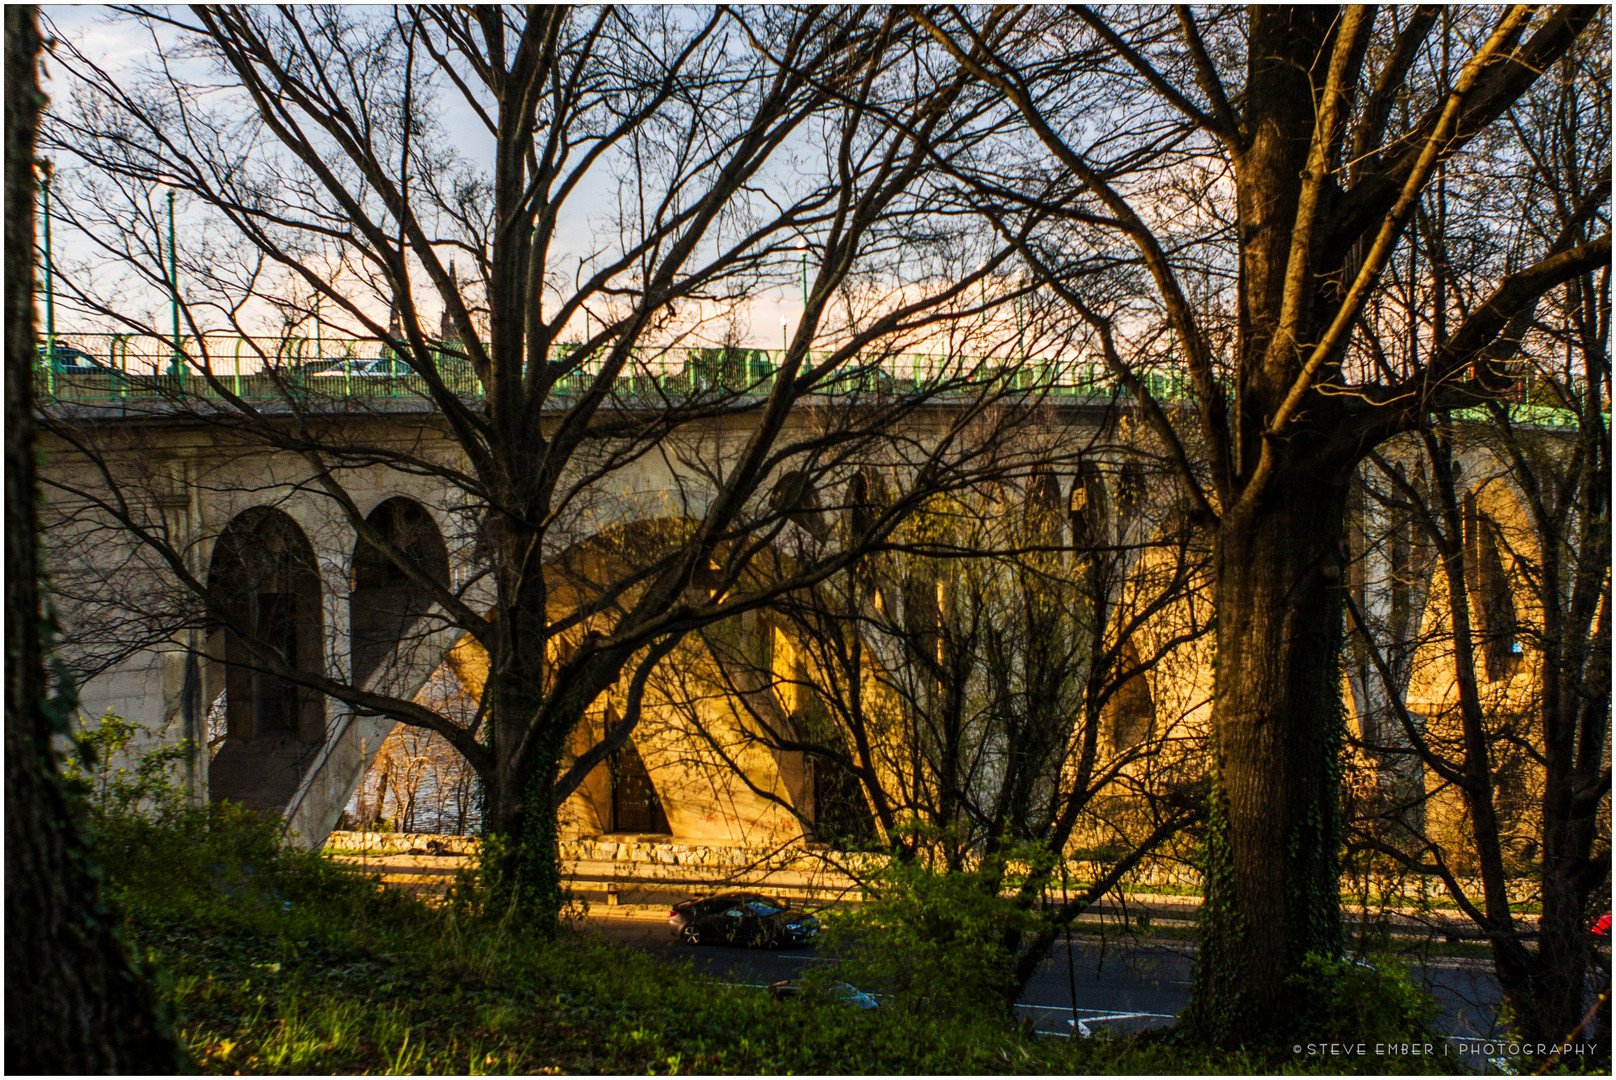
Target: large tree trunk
point(1272, 870)
point(1272, 892)
point(1549, 1002)
point(1548, 994)
point(522, 820)
point(74, 1003)
point(521, 811)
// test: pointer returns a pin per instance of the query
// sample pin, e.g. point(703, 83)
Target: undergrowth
point(278, 960)
point(282, 962)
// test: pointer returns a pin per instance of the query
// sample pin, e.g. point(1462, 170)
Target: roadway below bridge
point(1124, 981)
point(642, 888)
point(1122, 986)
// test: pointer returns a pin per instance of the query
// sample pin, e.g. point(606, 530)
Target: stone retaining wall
point(659, 853)
point(402, 843)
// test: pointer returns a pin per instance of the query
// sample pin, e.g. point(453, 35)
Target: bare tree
point(1015, 668)
point(327, 188)
point(1494, 689)
point(1256, 173)
point(1489, 733)
point(418, 782)
point(1511, 503)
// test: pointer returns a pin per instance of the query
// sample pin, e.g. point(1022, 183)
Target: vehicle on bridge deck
point(741, 918)
point(72, 361)
point(375, 367)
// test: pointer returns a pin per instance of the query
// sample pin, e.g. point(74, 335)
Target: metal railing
point(108, 368)
point(112, 367)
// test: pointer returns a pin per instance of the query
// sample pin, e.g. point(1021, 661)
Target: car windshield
point(67, 356)
point(761, 906)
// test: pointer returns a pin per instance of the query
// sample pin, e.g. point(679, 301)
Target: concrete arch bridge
point(184, 542)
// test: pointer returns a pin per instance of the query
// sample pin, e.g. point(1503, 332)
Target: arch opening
point(264, 595)
point(384, 603)
point(795, 495)
point(1043, 509)
point(636, 806)
point(1132, 708)
point(1493, 613)
point(1087, 508)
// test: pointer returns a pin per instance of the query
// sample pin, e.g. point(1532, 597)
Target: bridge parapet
point(95, 368)
point(92, 368)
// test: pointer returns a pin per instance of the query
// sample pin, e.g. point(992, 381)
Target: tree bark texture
point(74, 1001)
point(1272, 874)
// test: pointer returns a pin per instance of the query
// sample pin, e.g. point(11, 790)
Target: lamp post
point(1021, 333)
point(46, 170)
point(785, 343)
point(176, 363)
point(804, 254)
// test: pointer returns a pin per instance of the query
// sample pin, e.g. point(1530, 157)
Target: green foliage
point(110, 784)
point(282, 961)
point(933, 941)
point(1370, 1002)
point(305, 967)
point(168, 857)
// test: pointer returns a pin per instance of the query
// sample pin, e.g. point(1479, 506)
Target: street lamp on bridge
point(176, 364)
point(46, 169)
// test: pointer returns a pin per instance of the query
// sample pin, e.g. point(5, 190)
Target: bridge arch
point(795, 495)
point(868, 497)
point(1043, 509)
point(1131, 713)
point(264, 592)
point(1497, 537)
point(1089, 508)
point(383, 602)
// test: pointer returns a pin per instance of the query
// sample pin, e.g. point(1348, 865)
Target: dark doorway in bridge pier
point(1132, 709)
point(841, 814)
point(636, 808)
point(1089, 508)
point(385, 603)
point(264, 598)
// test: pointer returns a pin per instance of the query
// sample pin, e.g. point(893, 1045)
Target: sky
point(118, 46)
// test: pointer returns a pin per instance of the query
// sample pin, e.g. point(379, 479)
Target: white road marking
point(1102, 1014)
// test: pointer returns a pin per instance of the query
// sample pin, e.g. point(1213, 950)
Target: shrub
point(933, 941)
point(1356, 1001)
point(101, 771)
point(281, 961)
point(218, 864)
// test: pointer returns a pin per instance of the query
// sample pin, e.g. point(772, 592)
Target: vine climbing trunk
point(1274, 822)
point(530, 725)
point(1272, 894)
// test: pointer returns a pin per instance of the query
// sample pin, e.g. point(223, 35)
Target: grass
point(281, 961)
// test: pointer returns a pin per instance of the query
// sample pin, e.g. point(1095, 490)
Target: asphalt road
point(1114, 987)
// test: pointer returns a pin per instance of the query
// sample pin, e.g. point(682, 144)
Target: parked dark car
point(741, 918)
